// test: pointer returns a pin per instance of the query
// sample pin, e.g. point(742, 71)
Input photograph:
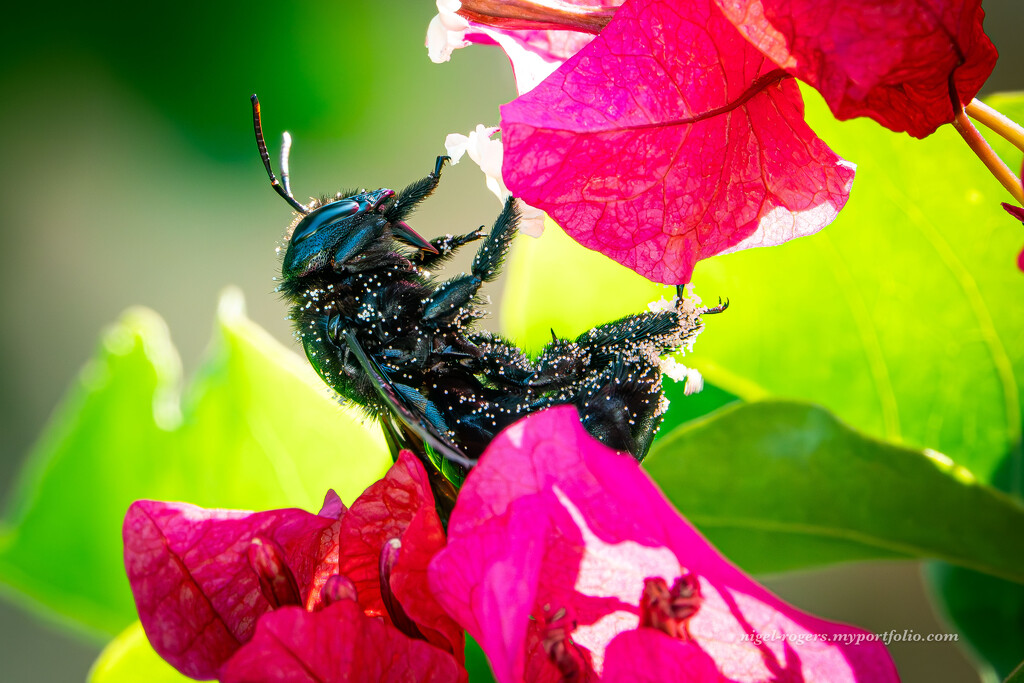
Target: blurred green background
point(130, 176)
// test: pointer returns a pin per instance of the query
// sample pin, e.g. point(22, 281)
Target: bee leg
point(717, 309)
point(449, 298)
point(414, 193)
point(658, 329)
point(446, 246)
point(488, 260)
point(453, 295)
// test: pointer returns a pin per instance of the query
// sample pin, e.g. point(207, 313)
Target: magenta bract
point(669, 139)
point(400, 507)
point(549, 548)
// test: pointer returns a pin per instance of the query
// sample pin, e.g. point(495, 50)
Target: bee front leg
point(414, 193)
point(446, 246)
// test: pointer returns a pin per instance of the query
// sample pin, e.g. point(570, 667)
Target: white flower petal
point(446, 32)
point(456, 145)
point(531, 220)
point(488, 153)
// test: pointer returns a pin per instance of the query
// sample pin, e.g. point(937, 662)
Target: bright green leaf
point(778, 485)
point(903, 316)
point(130, 658)
point(256, 430)
point(552, 283)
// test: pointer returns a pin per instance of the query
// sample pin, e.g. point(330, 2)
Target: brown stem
point(988, 156)
point(548, 14)
point(997, 122)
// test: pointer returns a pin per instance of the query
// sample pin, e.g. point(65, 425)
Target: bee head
point(339, 232)
point(334, 233)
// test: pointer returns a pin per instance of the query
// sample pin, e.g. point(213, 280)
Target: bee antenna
point(286, 147)
point(283, 189)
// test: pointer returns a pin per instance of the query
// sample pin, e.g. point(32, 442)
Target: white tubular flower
point(673, 369)
point(694, 382)
point(488, 154)
point(531, 220)
point(446, 31)
point(680, 373)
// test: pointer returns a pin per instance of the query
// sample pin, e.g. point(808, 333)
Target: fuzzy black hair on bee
point(385, 336)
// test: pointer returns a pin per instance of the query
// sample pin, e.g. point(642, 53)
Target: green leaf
point(130, 658)
point(256, 430)
point(1017, 675)
point(552, 283)
point(477, 665)
point(683, 408)
point(902, 317)
point(778, 485)
point(988, 611)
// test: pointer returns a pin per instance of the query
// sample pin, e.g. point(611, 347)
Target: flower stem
point(537, 15)
point(988, 156)
point(997, 122)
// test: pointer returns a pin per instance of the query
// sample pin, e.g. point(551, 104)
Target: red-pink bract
point(891, 60)
point(670, 139)
point(400, 506)
point(199, 596)
point(339, 643)
point(551, 519)
point(196, 594)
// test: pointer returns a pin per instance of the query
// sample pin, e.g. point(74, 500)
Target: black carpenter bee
point(385, 335)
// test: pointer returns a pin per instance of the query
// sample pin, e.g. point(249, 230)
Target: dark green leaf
point(989, 613)
point(476, 662)
point(1017, 675)
point(683, 408)
point(779, 485)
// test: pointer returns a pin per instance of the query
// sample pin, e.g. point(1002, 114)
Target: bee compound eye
point(326, 215)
